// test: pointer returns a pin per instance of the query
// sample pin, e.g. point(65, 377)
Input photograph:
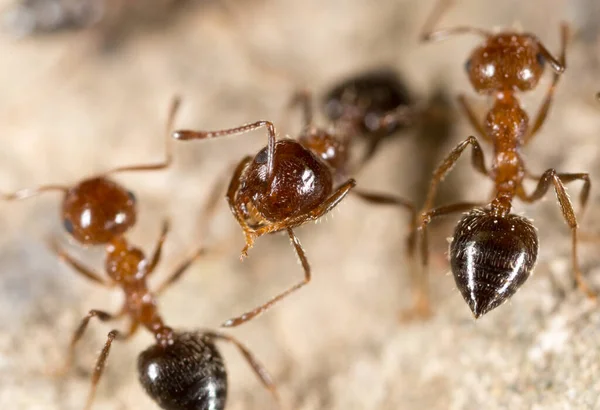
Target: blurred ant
point(182, 370)
point(110, 20)
point(287, 184)
point(493, 251)
point(372, 105)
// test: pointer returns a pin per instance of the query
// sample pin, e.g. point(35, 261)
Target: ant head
point(299, 183)
point(506, 61)
point(188, 374)
point(363, 99)
point(123, 262)
point(331, 149)
point(96, 210)
point(491, 257)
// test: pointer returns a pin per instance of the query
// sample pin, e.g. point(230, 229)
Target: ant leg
point(77, 266)
point(158, 249)
point(385, 199)
point(260, 370)
point(559, 180)
point(422, 306)
point(389, 120)
point(210, 204)
point(102, 316)
point(303, 98)
point(174, 107)
point(263, 308)
point(208, 211)
point(183, 267)
point(186, 135)
point(99, 367)
point(333, 200)
point(29, 192)
point(565, 179)
point(475, 123)
point(428, 32)
point(558, 65)
point(542, 113)
point(477, 159)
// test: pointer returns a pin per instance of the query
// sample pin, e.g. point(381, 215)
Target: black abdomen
point(187, 375)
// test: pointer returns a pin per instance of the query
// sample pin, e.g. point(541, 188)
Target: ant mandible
point(182, 370)
point(493, 251)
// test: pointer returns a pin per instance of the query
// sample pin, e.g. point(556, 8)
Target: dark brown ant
point(373, 105)
point(287, 184)
point(494, 251)
point(182, 370)
point(284, 186)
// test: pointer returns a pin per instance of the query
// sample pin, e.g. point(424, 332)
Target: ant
point(288, 183)
point(373, 105)
point(182, 370)
point(493, 251)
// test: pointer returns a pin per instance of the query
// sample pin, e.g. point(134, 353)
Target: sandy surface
point(69, 111)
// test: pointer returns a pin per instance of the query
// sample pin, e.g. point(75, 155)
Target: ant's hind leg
point(263, 308)
point(549, 178)
point(477, 160)
point(102, 316)
point(421, 308)
point(99, 367)
point(260, 370)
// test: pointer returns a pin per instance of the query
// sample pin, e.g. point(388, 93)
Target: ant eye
point(468, 65)
point(540, 59)
point(131, 196)
point(68, 225)
point(261, 157)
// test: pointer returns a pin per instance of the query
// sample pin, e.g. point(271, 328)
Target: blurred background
point(86, 87)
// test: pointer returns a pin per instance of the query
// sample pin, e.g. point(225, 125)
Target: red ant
point(182, 370)
point(287, 184)
point(494, 251)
